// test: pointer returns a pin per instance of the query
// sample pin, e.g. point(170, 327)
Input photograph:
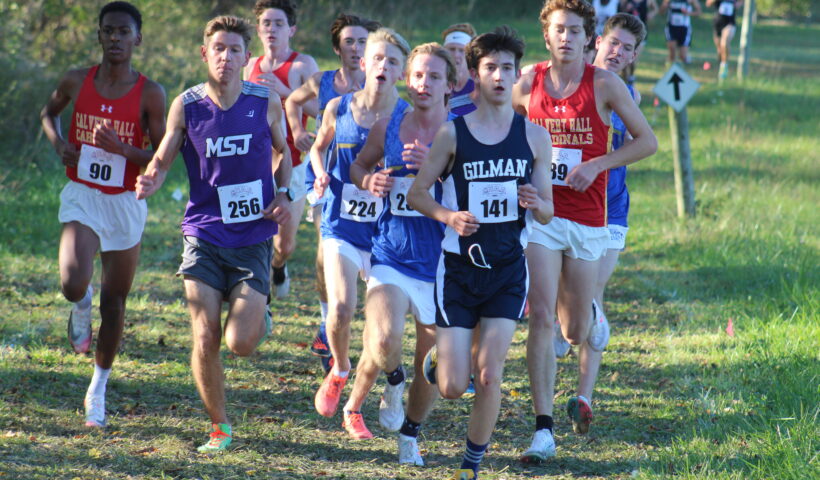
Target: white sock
point(585, 399)
point(86, 301)
point(324, 311)
point(99, 381)
point(343, 374)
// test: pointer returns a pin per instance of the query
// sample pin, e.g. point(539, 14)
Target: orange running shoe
point(354, 424)
point(327, 397)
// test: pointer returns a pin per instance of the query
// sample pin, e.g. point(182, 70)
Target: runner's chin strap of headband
point(483, 263)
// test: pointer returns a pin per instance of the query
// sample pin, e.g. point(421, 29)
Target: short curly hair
point(581, 8)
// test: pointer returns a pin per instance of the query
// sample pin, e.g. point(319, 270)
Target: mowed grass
point(677, 397)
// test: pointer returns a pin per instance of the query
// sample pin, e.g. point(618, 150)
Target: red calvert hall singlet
point(109, 175)
point(282, 74)
point(578, 135)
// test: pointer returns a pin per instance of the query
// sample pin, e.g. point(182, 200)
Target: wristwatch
point(286, 191)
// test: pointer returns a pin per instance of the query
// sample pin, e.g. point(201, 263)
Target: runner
point(617, 48)
point(603, 10)
point(349, 214)
point(574, 101)
point(492, 189)
point(225, 129)
point(406, 248)
point(348, 35)
point(679, 27)
point(646, 11)
point(724, 26)
point(117, 113)
point(283, 71)
point(455, 38)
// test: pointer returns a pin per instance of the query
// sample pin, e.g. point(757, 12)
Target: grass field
point(677, 397)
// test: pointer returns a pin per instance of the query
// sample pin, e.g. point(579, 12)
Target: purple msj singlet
point(228, 157)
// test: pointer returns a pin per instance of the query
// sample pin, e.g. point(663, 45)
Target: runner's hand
point(106, 137)
point(274, 84)
point(303, 140)
point(278, 210)
point(148, 183)
point(528, 197)
point(69, 154)
point(414, 154)
point(320, 184)
point(463, 222)
point(582, 176)
point(380, 182)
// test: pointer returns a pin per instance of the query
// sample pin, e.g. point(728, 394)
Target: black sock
point(396, 376)
point(410, 428)
point(279, 274)
point(542, 422)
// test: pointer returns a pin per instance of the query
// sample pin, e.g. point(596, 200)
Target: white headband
point(458, 37)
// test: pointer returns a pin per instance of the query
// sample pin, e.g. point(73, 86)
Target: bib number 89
point(559, 171)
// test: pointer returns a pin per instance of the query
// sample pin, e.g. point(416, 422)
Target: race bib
point(100, 167)
point(563, 161)
point(241, 202)
point(726, 9)
point(494, 202)
point(678, 20)
point(398, 197)
point(360, 205)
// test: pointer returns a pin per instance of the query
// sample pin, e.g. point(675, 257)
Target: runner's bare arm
point(323, 139)
point(521, 92)
point(293, 111)
point(615, 96)
point(538, 196)
point(278, 210)
point(149, 182)
point(361, 170)
point(59, 99)
point(441, 155)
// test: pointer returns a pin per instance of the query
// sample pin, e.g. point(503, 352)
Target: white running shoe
point(541, 449)
point(79, 324)
point(94, 411)
point(391, 410)
point(559, 343)
point(599, 333)
point(409, 451)
point(281, 290)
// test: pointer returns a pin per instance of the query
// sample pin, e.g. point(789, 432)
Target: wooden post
point(745, 39)
point(684, 178)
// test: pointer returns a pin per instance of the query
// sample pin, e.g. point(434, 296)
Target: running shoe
point(430, 363)
point(464, 474)
point(281, 282)
point(268, 326)
point(327, 397)
point(220, 439)
point(541, 449)
point(580, 413)
point(723, 72)
point(79, 325)
point(599, 333)
point(353, 422)
point(94, 410)
point(470, 387)
point(559, 343)
point(327, 364)
point(391, 410)
point(320, 345)
point(409, 451)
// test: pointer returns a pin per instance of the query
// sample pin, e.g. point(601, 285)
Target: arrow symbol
point(676, 80)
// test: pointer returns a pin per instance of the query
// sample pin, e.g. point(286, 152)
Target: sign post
point(676, 88)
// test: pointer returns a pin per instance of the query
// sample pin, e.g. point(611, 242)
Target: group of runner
point(488, 189)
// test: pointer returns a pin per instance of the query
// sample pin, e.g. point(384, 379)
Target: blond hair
point(388, 35)
point(230, 24)
point(435, 49)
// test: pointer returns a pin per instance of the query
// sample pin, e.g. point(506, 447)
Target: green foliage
point(785, 8)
